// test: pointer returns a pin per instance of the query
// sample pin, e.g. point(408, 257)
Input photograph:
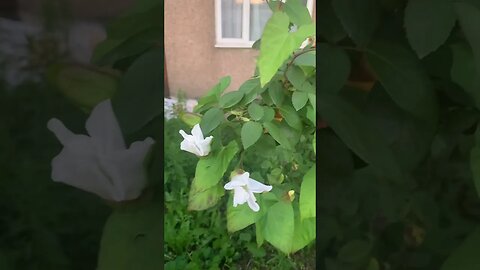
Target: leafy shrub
point(398, 100)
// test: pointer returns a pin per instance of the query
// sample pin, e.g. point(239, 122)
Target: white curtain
point(232, 18)
point(259, 15)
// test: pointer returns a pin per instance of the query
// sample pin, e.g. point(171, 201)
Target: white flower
point(190, 105)
point(195, 143)
point(243, 188)
point(100, 163)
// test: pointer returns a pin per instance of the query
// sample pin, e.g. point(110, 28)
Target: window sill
point(238, 45)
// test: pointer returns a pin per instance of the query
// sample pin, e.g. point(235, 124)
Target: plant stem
point(295, 57)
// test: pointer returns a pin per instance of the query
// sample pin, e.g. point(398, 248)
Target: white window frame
point(243, 42)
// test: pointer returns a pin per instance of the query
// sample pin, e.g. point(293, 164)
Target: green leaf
point(265, 200)
point(112, 50)
point(292, 135)
point(266, 98)
point(239, 217)
point(299, 100)
point(334, 158)
point(84, 86)
point(278, 44)
point(268, 114)
point(131, 34)
point(213, 95)
point(428, 24)
point(132, 239)
point(291, 116)
point(311, 114)
point(314, 142)
point(132, 24)
point(255, 111)
point(230, 99)
point(360, 19)
point(139, 97)
point(279, 226)
point(409, 138)
point(259, 231)
point(251, 88)
point(313, 100)
point(307, 199)
point(191, 119)
point(256, 44)
point(326, 16)
point(475, 162)
point(334, 65)
point(304, 232)
point(463, 66)
point(297, 12)
point(276, 133)
point(276, 92)
point(355, 251)
point(402, 75)
point(297, 78)
point(465, 256)
point(359, 135)
point(210, 169)
point(308, 59)
point(250, 133)
point(469, 17)
point(211, 120)
point(202, 199)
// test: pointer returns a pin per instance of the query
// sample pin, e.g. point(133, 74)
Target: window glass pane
point(259, 15)
point(232, 18)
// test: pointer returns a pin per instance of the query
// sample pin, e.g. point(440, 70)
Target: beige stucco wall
point(194, 65)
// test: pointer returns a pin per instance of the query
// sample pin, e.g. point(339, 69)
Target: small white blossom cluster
point(242, 185)
point(170, 103)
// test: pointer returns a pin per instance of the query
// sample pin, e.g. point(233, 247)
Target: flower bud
point(83, 85)
point(190, 119)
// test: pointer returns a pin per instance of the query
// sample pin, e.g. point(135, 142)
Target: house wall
point(194, 65)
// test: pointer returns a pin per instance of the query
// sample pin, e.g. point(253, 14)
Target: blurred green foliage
point(398, 152)
point(43, 225)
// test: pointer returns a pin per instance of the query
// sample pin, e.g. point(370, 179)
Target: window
point(239, 23)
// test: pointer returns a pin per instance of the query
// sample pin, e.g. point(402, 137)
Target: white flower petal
point(242, 178)
point(185, 145)
point(76, 166)
point(240, 196)
point(102, 125)
point(205, 146)
point(127, 170)
point(62, 133)
point(244, 187)
point(100, 164)
point(252, 203)
point(195, 143)
point(185, 135)
point(197, 132)
point(257, 187)
point(233, 184)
